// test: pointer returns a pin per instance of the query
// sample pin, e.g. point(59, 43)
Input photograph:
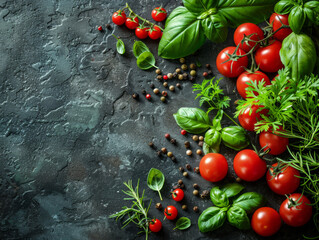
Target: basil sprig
point(155, 180)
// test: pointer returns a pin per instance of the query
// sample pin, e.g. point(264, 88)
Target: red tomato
point(276, 20)
point(155, 32)
point(119, 17)
point(283, 179)
point(232, 68)
point(268, 59)
point(159, 14)
point(296, 210)
point(266, 221)
point(247, 77)
point(141, 32)
point(131, 22)
point(170, 212)
point(213, 167)
point(248, 120)
point(249, 166)
point(178, 194)
point(277, 144)
point(248, 29)
point(155, 225)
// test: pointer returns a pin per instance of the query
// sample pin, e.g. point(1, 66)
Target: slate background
point(71, 134)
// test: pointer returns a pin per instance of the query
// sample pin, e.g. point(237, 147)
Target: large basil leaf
point(232, 189)
point(235, 137)
point(199, 6)
point(182, 35)
point(155, 180)
point(139, 47)
point(238, 218)
point(284, 6)
point(298, 54)
point(249, 201)
point(211, 219)
point(296, 19)
point(193, 120)
point(215, 28)
point(218, 197)
point(213, 139)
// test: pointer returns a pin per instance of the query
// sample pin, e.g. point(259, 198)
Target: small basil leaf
point(249, 201)
point(211, 219)
point(311, 9)
point(217, 119)
point(215, 28)
point(212, 139)
point(238, 218)
point(235, 137)
point(199, 6)
point(208, 149)
point(155, 180)
point(139, 47)
point(284, 6)
point(296, 19)
point(145, 61)
point(218, 197)
point(183, 223)
point(193, 120)
point(232, 189)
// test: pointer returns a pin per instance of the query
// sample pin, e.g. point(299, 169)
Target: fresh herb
point(235, 137)
point(120, 47)
point(139, 47)
point(183, 223)
point(146, 61)
point(155, 180)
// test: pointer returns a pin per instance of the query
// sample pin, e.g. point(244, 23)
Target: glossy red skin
point(170, 212)
point(296, 216)
point(160, 16)
point(285, 182)
point(213, 167)
point(131, 23)
point(249, 166)
point(268, 59)
point(276, 143)
point(119, 19)
point(246, 77)
point(266, 221)
point(276, 20)
point(248, 121)
point(178, 194)
point(248, 29)
point(238, 66)
point(141, 33)
point(155, 33)
point(155, 226)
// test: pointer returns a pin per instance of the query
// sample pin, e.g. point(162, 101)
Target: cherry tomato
point(232, 68)
point(155, 225)
point(213, 167)
point(170, 212)
point(249, 166)
point(131, 22)
point(155, 32)
point(248, 29)
point(159, 14)
point(178, 194)
point(119, 17)
point(283, 179)
point(141, 32)
point(266, 221)
point(248, 120)
point(276, 20)
point(277, 144)
point(247, 77)
point(296, 210)
point(268, 59)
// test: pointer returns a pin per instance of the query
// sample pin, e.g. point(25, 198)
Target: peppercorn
point(180, 77)
point(184, 207)
point(238, 179)
point(169, 154)
point(143, 92)
point(210, 72)
point(152, 86)
point(163, 99)
point(148, 96)
point(192, 79)
point(174, 74)
point(172, 88)
point(208, 66)
point(193, 73)
point(180, 182)
point(185, 174)
point(204, 194)
point(165, 77)
point(151, 144)
point(178, 85)
point(135, 96)
point(100, 28)
point(195, 185)
point(205, 74)
point(195, 138)
point(164, 150)
point(182, 60)
point(196, 170)
point(159, 77)
point(156, 91)
point(164, 93)
point(201, 138)
point(165, 84)
point(189, 152)
point(187, 144)
point(181, 169)
point(199, 152)
point(192, 66)
point(184, 67)
point(167, 136)
point(183, 132)
point(195, 192)
point(188, 166)
point(185, 76)
point(201, 143)
point(159, 153)
point(158, 206)
point(108, 26)
point(173, 141)
point(158, 71)
point(178, 70)
point(173, 159)
point(169, 75)
point(195, 209)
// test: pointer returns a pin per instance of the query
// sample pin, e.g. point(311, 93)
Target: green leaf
point(235, 137)
point(215, 28)
point(183, 223)
point(182, 36)
point(218, 197)
point(193, 120)
point(249, 201)
point(232, 189)
point(211, 219)
point(284, 6)
point(139, 47)
point(311, 9)
point(155, 180)
point(145, 61)
point(213, 140)
point(199, 6)
point(120, 47)
point(296, 19)
point(238, 218)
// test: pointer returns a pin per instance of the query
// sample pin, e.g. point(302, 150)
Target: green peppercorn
point(182, 60)
point(178, 70)
point(184, 207)
point(184, 67)
point(158, 71)
point(163, 99)
point(201, 138)
point(193, 73)
point(195, 192)
point(169, 154)
point(185, 174)
point(180, 77)
point(192, 66)
point(169, 75)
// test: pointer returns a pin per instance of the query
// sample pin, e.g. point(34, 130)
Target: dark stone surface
point(71, 134)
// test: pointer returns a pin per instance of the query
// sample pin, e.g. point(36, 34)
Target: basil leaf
point(298, 54)
point(199, 6)
point(284, 6)
point(208, 149)
point(311, 10)
point(193, 120)
point(249, 201)
point(218, 197)
point(120, 47)
point(217, 119)
point(211, 219)
point(232, 189)
point(155, 180)
point(215, 28)
point(213, 140)
point(296, 19)
point(238, 218)
point(139, 47)
point(145, 61)
point(235, 137)
point(182, 35)
point(183, 223)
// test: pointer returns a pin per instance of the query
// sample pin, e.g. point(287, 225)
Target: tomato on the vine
point(141, 32)
point(233, 67)
point(277, 20)
point(283, 179)
point(170, 212)
point(119, 17)
point(213, 167)
point(247, 77)
point(275, 143)
point(249, 166)
point(131, 22)
point(159, 14)
point(154, 32)
point(248, 119)
point(266, 221)
point(155, 225)
point(248, 29)
point(296, 210)
point(178, 194)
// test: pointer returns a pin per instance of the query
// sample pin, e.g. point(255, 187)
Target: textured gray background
point(71, 133)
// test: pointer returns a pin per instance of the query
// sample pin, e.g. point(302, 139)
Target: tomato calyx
point(262, 152)
point(167, 213)
point(294, 203)
point(160, 10)
point(280, 168)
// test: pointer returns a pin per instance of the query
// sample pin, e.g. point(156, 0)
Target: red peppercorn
point(148, 96)
point(205, 74)
point(167, 136)
point(165, 77)
point(100, 28)
point(183, 132)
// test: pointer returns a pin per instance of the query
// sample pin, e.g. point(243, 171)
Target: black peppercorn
point(192, 79)
point(195, 209)
point(200, 143)
point(178, 85)
point(135, 96)
point(182, 186)
point(210, 72)
point(173, 141)
point(152, 86)
point(159, 153)
point(143, 92)
point(151, 144)
point(181, 169)
point(188, 166)
point(187, 144)
point(173, 159)
point(175, 75)
point(196, 170)
point(158, 206)
point(208, 66)
point(204, 194)
point(185, 76)
point(108, 26)
point(159, 77)
point(195, 185)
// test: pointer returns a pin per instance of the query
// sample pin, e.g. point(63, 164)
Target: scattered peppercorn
point(173, 141)
point(181, 169)
point(174, 74)
point(192, 79)
point(158, 71)
point(185, 174)
point(189, 152)
point(169, 75)
point(159, 77)
point(205, 74)
point(187, 144)
point(201, 143)
point(173, 159)
point(196, 170)
point(165, 84)
point(143, 92)
point(178, 70)
point(195, 138)
point(159, 153)
point(151, 144)
point(148, 96)
point(178, 85)
point(210, 72)
point(193, 73)
point(185, 76)
point(164, 150)
point(172, 88)
point(165, 77)
point(183, 132)
point(208, 66)
point(199, 152)
point(195, 185)
point(100, 28)
point(180, 77)
point(184, 207)
point(238, 179)
point(182, 60)
point(164, 93)
point(188, 166)
point(184, 67)
point(152, 86)
point(135, 96)
point(167, 136)
point(108, 26)
point(204, 194)
point(169, 154)
point(163, 99)
point(158, 206)
point(201, 138)
point(195, 209)
point(192, 66)
point(195, 192)
point(156, 91)
point(180, 182)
